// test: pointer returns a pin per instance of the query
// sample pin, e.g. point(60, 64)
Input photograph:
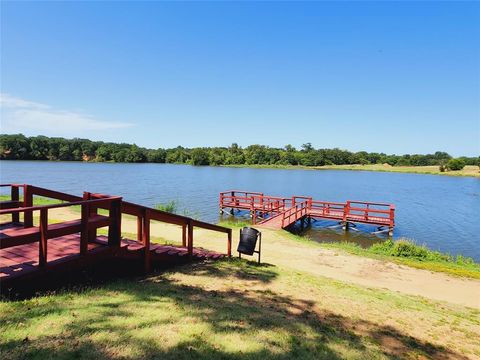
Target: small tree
point(455, 164)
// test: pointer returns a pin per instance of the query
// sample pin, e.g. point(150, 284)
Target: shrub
point(455, 164)
point(406, 248)
point(170, 207)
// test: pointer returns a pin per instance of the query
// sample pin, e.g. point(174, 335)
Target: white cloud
point(28, 117)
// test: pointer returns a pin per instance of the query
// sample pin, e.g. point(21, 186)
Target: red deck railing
point(145, 215)
point(90, 220)
point(292, 209)
point(294, 213)
point(84, 226)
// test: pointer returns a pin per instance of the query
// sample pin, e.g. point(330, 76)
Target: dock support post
point(346, 225)
point(390, 231)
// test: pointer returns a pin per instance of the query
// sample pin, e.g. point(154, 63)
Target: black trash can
point(248, 241)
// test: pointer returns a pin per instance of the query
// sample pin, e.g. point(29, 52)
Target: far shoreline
point(467, 171)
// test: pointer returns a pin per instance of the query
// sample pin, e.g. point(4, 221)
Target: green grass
point(37, 200)
point(408, 253)
point(401, 251)
point(235, 310)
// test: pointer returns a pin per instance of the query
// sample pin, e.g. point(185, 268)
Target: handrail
point(54, 206)
point(145, 214)
point(15, 198)
point(371, 203)
point(241, 191)
point(275, 206)
point(370, 210)
point(294, 211)
point(19, 185)
point(327, 202)
point(90, 203)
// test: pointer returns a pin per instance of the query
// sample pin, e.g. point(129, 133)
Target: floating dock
point(281, 213)
point(37, 253)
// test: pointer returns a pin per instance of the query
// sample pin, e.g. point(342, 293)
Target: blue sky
point(378, 76)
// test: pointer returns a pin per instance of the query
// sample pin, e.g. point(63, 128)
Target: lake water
point(439, 211)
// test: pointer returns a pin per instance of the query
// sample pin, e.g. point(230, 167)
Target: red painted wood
point(282, 212)
point(23, 247)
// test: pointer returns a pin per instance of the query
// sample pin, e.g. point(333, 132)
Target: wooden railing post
point(190, 238)
point(42, 246)
point(146, 241)
point(139, 228)
point(27, 202)
point(84, 229)
point(392, 215)
point(346, 210)
point(184, 235)
point(229, 244)
point(92, 233)
point(15, 197)
point(115, 227)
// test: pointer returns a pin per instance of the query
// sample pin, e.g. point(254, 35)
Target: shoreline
point(472, 171)
point(468, 171)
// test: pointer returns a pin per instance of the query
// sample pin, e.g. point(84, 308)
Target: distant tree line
point(20, 147)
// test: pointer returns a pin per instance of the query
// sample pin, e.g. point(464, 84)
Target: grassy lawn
point(238, 310)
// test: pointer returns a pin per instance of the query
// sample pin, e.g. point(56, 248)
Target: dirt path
point(278, 249)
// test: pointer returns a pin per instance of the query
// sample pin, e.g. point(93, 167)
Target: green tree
point(199, 156)
point(455, 164)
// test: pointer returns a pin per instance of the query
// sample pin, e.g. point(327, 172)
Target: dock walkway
point(280, 213)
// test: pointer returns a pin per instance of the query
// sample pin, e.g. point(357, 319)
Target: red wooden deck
point(29, 252)
point(280, 213)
